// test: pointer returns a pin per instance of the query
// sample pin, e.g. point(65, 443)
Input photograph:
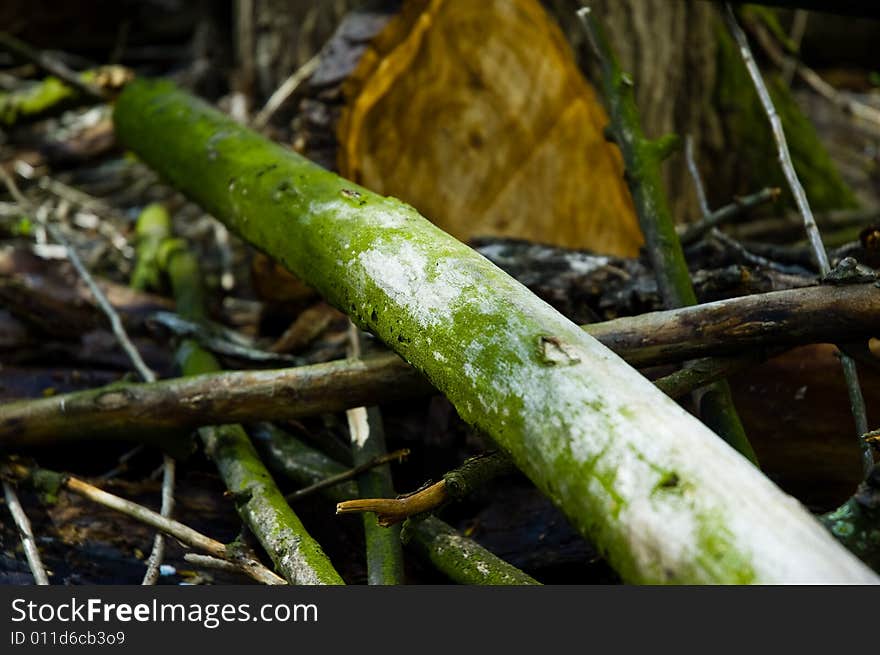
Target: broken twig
point(857, 402)
point(28, 543)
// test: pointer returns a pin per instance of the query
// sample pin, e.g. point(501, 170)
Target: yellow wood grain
point(476, 114)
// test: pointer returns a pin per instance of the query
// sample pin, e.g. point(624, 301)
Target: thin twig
point(122, 463)
point(148, 412)
point(367, 434)
point(51, 66)
point(818, 248)
point(857, 405)
point(283, 92)
point(179, 531)
point(748, 255)
point(783, 154)
point(796, 35)
point(710, 220)
point(702, 372)
point(333, 480)
point(115, 322)
point(474, 473)
point(811, 78)
point(208, 562)
point(89, 203)
point(390, 511)
point(156, 555)
point(27, 536)
point(693, 231)
point(642, 159)
point(696, 177)
point(183, 533)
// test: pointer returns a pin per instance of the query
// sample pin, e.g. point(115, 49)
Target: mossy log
point(661, 495)
point(462, 559)
point(37, 101)
point(259, 502)
point(156, 412)
point(150, 412)
point(51, 95)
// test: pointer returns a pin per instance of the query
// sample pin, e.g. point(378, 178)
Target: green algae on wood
point(152, 228)
point(37, 101)
point(749, 131)
point(592, 434)
point(367, 436)
point(259, 502)
point(45, 98)
point(856, 523)
point(450, 552)
point(461, 559)
point(642, 158)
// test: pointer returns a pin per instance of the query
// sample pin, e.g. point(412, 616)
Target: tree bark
point(689, 81)
point(158, 412)
point(654, 489)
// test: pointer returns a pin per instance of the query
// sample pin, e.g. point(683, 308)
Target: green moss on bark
point(750, 140)
point(582, 426)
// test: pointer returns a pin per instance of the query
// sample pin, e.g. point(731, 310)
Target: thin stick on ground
point(692, 232)
point(857, 402)
point(460, 558)
point(391, 511)
point(782, 152)
point(28, 543)
point(51, 65)
point(795, 36)
point(350, 474)
point(456, 484)
point(709, 219)
point(158, 412)
point(115, 322)
point(208, 562)
point(88, 203)
point(642, 158)
point(704, 371)
point(792, 65)
point(259, 502)
point(284, 92)
point(367, 434)
point(179, 531)
point(156, 555)
point(699, 189)
point(183, 533)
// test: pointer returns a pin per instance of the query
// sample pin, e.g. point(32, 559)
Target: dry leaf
point(476, 114)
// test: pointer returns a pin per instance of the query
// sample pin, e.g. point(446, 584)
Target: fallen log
point(147, 411)
point(258, 500)
point(661, 495)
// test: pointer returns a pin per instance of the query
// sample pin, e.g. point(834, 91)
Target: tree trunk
point(276, 37)
point(689, 80)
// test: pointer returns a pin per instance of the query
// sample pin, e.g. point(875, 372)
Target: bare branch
point(27, 536)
